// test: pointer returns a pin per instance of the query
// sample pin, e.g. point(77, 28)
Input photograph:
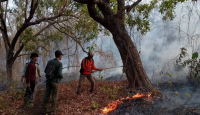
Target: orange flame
point(113, 105)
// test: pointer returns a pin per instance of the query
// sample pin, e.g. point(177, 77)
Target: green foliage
point(141, 20)
point(154, 91)
point(87, 28)
point(167, 8)
point(140, 16)
point(188, 95)
point(105, 88)
point(170, 83)
point(113, 4)
point(193, 64)
point(195, 55)
point(19, 11)
point(177, 93)
point(100, 76)
point(119, 87)
point(95, 105)
point(92, 47)
point(168, 74)
point(112, 91)
point(75, 22)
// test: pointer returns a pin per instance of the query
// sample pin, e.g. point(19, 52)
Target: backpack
point(50, 72)
point(82, 70)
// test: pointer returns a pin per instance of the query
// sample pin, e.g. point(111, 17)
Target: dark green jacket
point(58, 70)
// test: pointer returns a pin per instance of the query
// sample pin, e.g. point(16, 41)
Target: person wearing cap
point(30, 76)
point(87, 65)
point(52, 84)
point(38, 77)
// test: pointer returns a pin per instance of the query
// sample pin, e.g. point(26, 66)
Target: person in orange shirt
point(87, 65)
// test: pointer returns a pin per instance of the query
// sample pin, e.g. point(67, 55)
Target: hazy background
point(159, 48)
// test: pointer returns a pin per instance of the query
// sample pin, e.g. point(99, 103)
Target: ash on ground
point(180, 99)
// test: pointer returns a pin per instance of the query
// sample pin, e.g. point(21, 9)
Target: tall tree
point(113, 15)
point(21, 22)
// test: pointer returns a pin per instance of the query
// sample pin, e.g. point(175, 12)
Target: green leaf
point(169, 82)
point(188, 95)
point(177, 93)
point(1, 98)
point(95, 105)
point(169, 74)
point(195, 55)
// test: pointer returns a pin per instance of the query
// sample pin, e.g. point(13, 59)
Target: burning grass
point(113, 105)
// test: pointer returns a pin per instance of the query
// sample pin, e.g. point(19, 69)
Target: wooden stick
point(103, 69)
point(70, 66)
point(112, 67)
point(108, 68)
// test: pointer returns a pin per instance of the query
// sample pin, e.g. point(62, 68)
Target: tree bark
point(132, 64)
point(114, 22)
point(9, 68)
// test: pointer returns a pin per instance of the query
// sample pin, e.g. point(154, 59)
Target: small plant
point(128, 94)
point(105, 88)
point(188, 95)
point(119, 87)
point(100, 76)
point(114, 92)
point(154, 91)
point(193, 64)
point(95, 105)
point(177, 93)
point(170, 83)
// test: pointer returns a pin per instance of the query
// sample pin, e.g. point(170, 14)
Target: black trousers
point(30, 90)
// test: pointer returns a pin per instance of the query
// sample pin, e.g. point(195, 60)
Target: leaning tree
point(114, 15)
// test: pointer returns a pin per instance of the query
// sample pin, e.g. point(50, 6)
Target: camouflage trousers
point(51, 89)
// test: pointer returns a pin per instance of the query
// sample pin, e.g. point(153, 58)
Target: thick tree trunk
point(114, 22)
point(9, 72)
point(9, 66)
point(133, 67)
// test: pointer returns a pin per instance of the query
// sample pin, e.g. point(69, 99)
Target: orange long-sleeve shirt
point(88, 65)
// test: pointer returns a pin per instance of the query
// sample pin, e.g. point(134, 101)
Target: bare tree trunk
point(9, 69)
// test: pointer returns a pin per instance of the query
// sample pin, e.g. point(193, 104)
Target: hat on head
point(58, 53)
point(33, 55)
point(90, 53)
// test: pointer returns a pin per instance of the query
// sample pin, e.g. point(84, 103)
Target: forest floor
point(69, 103)
point(179, 99)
